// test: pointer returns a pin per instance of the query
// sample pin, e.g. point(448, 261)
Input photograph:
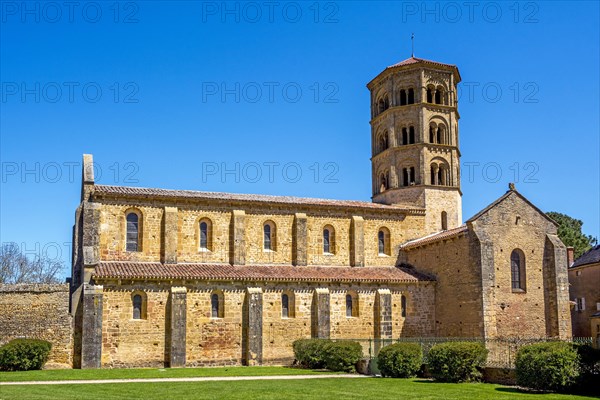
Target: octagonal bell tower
point(414, 138)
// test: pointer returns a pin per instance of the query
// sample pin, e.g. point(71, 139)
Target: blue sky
point(270, 97)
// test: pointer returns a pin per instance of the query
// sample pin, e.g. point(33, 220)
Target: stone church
point(189, 278)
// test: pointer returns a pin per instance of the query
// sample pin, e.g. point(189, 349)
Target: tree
point(16, 267)
point(569, 231)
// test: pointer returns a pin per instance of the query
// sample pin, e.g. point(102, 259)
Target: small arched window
point(411, 96)
point(444, 220)
point(132, 235)
point(137, 306)
point(204, 235)
point(402, 97)
point(403, 306)
point(349, 305)
point(285, 306)
point(517, 270)
point(267, 244)
point(328, 240)
point(411, 136)
point(326, 247)
point(429, 95)
point(438, 96)
point(216, 306)
point(405, 136)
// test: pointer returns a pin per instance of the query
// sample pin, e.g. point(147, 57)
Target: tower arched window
point(383, 142)
point(132, 232)
point(444, 220)
point(432, 135)
point(383, 182)
point(517, 270)
point(405, 177)
point(404, 136)
point(438, 96)
point(411, 96)
point(403, 97)
point(411, 135)
point(429, 95)
point(411, 176)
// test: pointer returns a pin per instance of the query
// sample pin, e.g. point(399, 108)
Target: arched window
point(404, 136)
point(132, 236)
point(285, 306)
point(402, 97)
point(381, 106)
point(205, 232)
point(351, 304)
point(411, 96)
point(288, 305)
point(383, 183)
point(137, 306)
point(432, 136)
point(267, 237)
point(403, 306)
point(326, 241)
point(429, 95)
point(383, 242)
point(411, 136)
point(348, 305)
point(444, 220)
point(517, 270)
point(411, 176)
point(438, 96)
point(382, 143)
point(405, 177)
point(216, 305)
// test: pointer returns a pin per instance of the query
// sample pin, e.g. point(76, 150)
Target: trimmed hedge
point(589, 369)
point(457, 361)
point(547, 366)
point(324, 353)
point(309, 352)
point(24, 354)
point(400, 360)
point(342, 355)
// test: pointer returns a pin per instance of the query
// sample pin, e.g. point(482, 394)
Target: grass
point(327, 388)
point(133, 373)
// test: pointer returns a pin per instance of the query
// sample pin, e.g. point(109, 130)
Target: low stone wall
point(38, 311)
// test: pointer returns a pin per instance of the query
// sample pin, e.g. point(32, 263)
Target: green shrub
point(24, 354)
point(309, 353)
point(457, 361)
point(547, 366)
point(342, 355)
point(589, 369)
point(400, 360)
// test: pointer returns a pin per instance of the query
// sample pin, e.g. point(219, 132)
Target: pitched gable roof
point(511, 191)
point(434, 237)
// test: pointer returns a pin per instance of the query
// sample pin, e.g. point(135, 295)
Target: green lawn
point(367, 388)
point(132, 373)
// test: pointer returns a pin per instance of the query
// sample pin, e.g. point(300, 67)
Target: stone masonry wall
point(220, 341)
point(112, 233)
point(38, 311)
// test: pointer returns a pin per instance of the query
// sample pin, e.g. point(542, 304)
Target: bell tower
point(414, 138)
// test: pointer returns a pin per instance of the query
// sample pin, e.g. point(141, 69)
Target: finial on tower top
point(511, 186)
point(412, 39)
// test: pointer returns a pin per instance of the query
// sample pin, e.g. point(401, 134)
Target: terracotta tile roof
point(415, 60)
point(280, 273)
point(100, 190)
point(592, 256)
point(435, 237)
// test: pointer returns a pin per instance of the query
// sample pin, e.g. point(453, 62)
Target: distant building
point(584, 281)
point(177, 277)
